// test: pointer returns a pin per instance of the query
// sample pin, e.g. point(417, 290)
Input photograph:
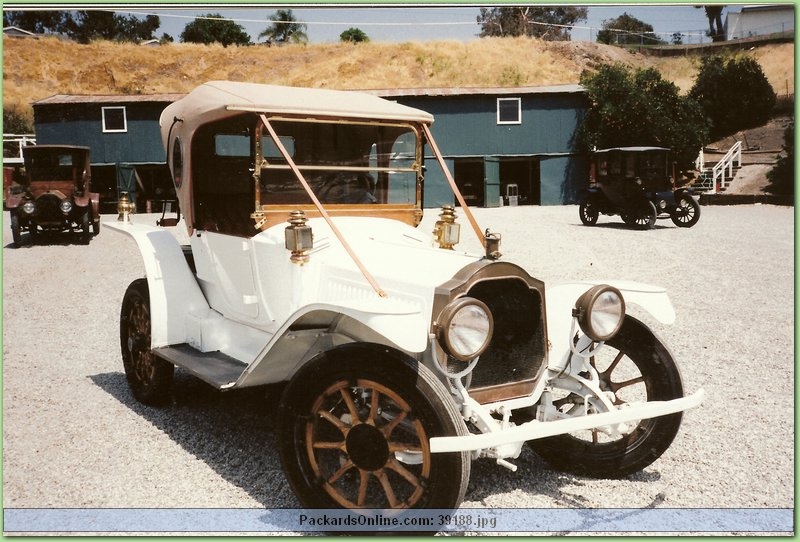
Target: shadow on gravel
point(52, 239)
point(623, 226)
point(232, 432)
point(535, 476)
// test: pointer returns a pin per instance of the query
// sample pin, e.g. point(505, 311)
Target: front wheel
point(634, 366)
point(588, 213)
point(354, 430)
point(16, 230)
point(96, 225)
point(86, 220)
point(686, 212)
point(149, 376)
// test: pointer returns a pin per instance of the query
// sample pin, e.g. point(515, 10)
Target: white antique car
point(403, 358)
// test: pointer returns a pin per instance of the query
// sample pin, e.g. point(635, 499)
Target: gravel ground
point(75, 438)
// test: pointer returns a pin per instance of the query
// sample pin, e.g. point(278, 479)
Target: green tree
point(39, 22)
point(214, 28)
point(284, 28)
point(734, 94)
point(781, 177)
point(85, 26)
point(633, 108)
point(547, 23)
point(354, 35)
point(627, 30)
point(16, 120)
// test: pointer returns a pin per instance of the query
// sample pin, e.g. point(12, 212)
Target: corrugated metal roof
point(476, 91)
point(383, 93)
point(110, 99)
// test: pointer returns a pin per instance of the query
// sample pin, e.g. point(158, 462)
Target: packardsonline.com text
point(418, 520)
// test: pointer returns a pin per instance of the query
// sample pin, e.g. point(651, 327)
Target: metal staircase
point(717, 178)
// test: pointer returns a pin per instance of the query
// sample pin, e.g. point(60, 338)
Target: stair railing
point(722, 172)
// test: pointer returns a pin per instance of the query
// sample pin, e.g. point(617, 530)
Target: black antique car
point(638, 184)
point(55, 194)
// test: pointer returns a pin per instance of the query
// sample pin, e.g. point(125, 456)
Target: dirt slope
point(37, 68)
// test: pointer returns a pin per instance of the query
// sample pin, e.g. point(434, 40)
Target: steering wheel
point(347, 187)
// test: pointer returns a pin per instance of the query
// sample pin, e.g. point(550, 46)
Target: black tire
point(634, 352)
point(86, 220)
point(588, 213)
point(332, 461)
point(149, 377)
point(96, 225)
point(686, 212)
point(644, 216)
point(16, 230)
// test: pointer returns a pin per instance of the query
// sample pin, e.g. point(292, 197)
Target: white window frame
point(518, 120)
point(124, 119)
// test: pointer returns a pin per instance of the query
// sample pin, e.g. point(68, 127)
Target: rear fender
point(174, 292)
point(561, 299)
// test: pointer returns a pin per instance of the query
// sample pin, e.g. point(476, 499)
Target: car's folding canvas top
point(219, 99)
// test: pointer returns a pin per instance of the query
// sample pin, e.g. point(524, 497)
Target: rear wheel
point(588, 213)
point(686, 212)
point(149, 377)
point(643, 216)
point(634, 366)
point(354, 430)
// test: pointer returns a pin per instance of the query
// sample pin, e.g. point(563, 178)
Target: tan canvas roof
point(217, 99)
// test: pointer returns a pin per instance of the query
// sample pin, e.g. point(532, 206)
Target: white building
point(759, 21)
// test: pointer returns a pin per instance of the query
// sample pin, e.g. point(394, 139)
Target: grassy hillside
point(36, 69)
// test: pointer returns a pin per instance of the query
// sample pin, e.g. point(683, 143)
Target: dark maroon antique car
point(55, 196)
point(638, 184)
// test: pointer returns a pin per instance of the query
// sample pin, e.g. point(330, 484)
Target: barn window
point(114, 119)
point(509, 111)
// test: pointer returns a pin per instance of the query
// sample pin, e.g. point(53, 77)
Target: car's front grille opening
point(517, 350)
point(48, 210)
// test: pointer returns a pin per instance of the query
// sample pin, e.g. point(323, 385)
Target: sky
point(417, 23)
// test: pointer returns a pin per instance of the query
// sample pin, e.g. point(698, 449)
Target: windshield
point(352, 167)
point(53, 165)
point(344, 163)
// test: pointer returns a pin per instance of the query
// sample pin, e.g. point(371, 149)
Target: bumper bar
point(535, 429)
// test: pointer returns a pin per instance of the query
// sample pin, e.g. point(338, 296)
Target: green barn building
point(501, 141)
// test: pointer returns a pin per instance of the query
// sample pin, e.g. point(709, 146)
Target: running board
point(215, 368)
point(536, 429)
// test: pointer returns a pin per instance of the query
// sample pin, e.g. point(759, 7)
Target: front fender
point(561, 299)
point(14, 201)
point(174, 291)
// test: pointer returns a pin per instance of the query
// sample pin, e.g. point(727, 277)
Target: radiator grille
point(518, 349)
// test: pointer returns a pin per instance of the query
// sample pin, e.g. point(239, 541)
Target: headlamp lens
point(600, 311)
point(465, 328)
